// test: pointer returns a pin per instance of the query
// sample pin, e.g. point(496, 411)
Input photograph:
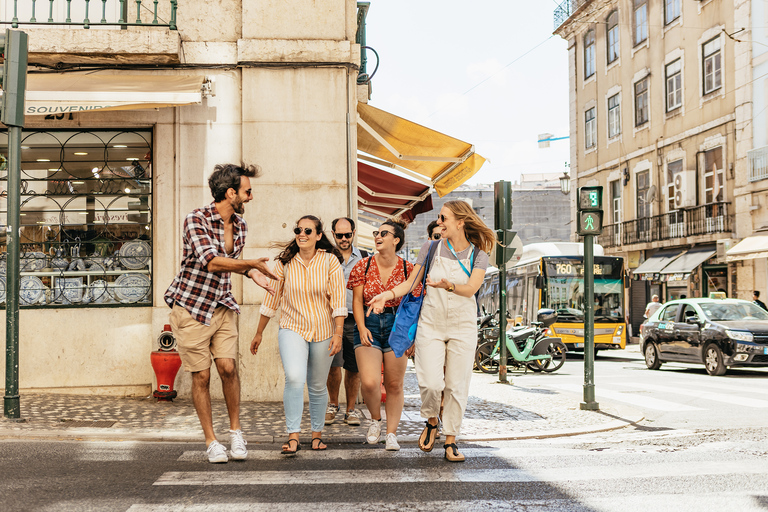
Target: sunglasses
point(441, 217)
point(339, 236)
point(436, 236)
point(382, 233)
point(307, 231)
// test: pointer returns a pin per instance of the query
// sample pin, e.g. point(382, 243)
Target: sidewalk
point(525, 410)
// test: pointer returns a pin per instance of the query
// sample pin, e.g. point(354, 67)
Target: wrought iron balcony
point(700, 220)
point(758, 163)
point(565, 9)
point(107, 12)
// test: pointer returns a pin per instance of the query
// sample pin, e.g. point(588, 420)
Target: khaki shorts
point(197, 342)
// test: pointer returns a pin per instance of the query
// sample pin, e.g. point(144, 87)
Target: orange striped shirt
point(310, 296)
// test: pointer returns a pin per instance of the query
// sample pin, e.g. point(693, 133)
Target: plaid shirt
point(195, 288)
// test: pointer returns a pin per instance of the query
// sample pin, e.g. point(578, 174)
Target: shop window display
point(86, 219)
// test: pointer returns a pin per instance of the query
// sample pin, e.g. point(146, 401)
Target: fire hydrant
point(166, 363)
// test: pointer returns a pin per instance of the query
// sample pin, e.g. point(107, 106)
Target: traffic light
point(590, 211)
point(14, 81)
point(502, 218)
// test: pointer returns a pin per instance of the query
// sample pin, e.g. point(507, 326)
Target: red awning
point(386, 194)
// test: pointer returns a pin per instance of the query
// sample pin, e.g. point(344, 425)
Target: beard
point(238, 206)
point(344, 244)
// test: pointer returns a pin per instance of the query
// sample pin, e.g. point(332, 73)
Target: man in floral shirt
point(203, 307)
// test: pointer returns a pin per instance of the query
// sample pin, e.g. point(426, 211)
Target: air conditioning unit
point(684, 189)
point(722, 247)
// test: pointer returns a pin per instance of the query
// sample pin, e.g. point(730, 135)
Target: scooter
point(527, 347)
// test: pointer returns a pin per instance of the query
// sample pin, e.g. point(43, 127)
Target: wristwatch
point(451, 288)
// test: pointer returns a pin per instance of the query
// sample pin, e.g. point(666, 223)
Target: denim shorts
point(380, 327)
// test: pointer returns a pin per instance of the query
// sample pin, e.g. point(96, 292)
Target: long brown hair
point(474, 228)
point(291, 249)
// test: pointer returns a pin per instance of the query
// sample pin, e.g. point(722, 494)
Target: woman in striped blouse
point(310, 292)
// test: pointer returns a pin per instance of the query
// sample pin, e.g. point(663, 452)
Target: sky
point(487, 72)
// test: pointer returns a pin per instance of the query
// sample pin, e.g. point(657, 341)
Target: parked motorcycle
point(527, 347)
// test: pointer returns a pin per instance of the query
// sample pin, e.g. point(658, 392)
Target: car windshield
point(721, 312)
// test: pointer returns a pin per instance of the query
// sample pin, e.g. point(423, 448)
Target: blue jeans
point(380, 327)
point(304, 362)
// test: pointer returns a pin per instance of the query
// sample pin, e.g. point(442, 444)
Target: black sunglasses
point(441, 217)
point(339, 236)
point(383, 233)
point(436, 236)
point(307, 231)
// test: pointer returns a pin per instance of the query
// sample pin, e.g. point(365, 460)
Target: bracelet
point(393, 294)
point(248, 273)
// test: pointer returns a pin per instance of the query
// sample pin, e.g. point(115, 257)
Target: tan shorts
point(197, 342)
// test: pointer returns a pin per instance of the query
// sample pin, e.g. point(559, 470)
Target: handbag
point(403, 333)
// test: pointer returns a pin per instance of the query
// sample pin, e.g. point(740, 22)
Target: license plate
point(581, 345)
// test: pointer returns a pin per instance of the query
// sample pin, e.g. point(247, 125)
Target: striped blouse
point(310, 296)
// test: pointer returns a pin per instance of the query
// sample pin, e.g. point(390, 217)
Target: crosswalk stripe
point(696, 393)
point(407, 475)
point(632, 399)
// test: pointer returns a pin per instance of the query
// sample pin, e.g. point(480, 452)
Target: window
point(712, 65)
point(671, 11)
point(673, 72)
point(670, 313)
point(673, 169)
point(641, 21)
point(714, 176)
point(643, 184)
point(641, 102)
point(589, 54)
point(86, 221)
point(590, 128)
point(614, 116)
point(612, 24)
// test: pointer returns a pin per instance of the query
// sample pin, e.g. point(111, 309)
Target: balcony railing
point(565, 9)
point(700, 220)
point(105, 13)
point(758, 163)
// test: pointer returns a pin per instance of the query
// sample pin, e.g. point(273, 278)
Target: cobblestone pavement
point(494, 411)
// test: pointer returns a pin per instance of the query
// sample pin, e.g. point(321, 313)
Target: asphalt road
point(696, 451)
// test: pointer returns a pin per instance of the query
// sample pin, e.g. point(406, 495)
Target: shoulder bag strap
point(469, 274)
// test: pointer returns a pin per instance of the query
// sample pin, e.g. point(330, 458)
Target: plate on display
point(70, 289)
point(32, 261)
point(134, 255)
point(31, 289)
point(132, 287)
point(2, 289)
point(98, 290)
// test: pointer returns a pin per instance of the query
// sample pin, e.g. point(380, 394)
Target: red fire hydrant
point(166, 363)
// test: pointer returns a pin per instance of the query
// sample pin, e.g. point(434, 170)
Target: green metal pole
point(589, 403)
point(11, 406)
point(503, 322)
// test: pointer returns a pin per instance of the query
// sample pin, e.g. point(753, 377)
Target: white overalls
point(446, 336)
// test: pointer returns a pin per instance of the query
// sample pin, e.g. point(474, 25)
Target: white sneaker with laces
point(330, 414)
point(216, 453)
point(374, 432)
point(392, 445)
point(237, 445)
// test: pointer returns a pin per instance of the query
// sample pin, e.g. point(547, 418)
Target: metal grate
point(88, 423)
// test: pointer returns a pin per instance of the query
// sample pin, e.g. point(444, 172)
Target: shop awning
point(446, 162)
point(688, 261)
point(656, 263)
point(365, 235)
point(750, 248)
point(60, 93)
point(386, 194)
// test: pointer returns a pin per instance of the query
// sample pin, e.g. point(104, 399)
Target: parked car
point(718, 333)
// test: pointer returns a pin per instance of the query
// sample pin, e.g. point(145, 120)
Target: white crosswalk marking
point(632, 399)
point(697, 393)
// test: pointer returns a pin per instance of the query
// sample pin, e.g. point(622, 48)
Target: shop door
point(715, 280)
point(638, 299)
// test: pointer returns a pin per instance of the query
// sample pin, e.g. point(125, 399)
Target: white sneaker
point(237, 445)
point(374, 432)
point(216, 452)
point(392, 445)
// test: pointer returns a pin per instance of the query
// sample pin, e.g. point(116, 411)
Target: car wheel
point(652, 360)
point(713, 360)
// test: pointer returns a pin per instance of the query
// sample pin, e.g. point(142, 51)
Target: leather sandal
point(320, 441)
point(452, 453)
point(288, 451)
point(427, 442)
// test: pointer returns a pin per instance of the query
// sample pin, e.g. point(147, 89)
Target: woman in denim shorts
point(370, 277)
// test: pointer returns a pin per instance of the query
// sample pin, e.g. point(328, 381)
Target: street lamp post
point(565, 183)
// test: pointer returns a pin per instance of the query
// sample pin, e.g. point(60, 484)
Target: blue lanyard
point(471, 258)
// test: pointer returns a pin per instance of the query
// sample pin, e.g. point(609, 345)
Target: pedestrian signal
point(590, 223)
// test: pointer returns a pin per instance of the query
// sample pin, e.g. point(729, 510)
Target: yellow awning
point(61, 93)
point(446, 162)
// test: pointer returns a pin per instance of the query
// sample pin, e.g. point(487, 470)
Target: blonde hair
point(474, 228)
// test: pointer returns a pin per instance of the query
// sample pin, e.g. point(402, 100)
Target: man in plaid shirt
point(203, 314)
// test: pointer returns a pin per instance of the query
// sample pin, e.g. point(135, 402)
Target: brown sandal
point(427, 442)
point(452, 453)
point(287, 447)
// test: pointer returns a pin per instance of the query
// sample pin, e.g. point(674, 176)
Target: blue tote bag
point(403, 332)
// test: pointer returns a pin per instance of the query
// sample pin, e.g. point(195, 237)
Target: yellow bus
point(551, 275)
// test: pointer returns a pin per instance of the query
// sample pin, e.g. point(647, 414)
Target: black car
point(719, 333)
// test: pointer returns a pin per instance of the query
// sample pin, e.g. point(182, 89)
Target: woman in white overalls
point(447, 330)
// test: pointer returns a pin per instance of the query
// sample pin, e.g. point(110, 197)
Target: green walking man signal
point(590, 211)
